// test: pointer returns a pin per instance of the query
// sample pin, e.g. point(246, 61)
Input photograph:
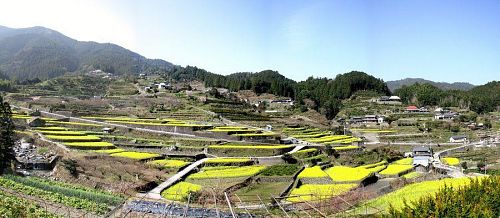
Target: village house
point(412, 109)
point(356, 120)
point(389, 100)
point(445, 116)
point(422, 156)
point(163, 85)
point(458, 138)
point(36, 122)
point(415, 109)
point(283, 101)
point(370, 119)
point(381, 119)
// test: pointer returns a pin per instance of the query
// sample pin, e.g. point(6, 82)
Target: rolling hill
point(396, 84)
point(39, 52)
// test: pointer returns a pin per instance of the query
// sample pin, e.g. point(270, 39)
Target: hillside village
point(159, 146)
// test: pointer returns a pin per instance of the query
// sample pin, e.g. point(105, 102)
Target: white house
point(458, 138)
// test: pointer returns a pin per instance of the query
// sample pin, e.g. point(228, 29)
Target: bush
point(70, 165)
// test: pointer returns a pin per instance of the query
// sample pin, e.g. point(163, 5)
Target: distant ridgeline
point(38, 52)
point(480, 99)
point(325, 93)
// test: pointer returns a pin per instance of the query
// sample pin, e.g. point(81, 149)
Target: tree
point(6, 135)
point(464, 165)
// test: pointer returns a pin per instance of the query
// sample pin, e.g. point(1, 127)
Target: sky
point(446, 40)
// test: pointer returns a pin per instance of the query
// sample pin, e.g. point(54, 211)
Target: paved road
point(452, 171)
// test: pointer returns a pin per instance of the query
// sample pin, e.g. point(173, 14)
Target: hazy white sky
point(85, 20)
point(446, 40)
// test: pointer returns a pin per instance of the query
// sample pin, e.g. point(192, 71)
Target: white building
point(458, 138)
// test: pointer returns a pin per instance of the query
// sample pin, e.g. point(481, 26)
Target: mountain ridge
point(396, 84)
point(39, 52)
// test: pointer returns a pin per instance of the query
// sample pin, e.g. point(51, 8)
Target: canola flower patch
point(348, 174)
point(316, 192)
point(136, 155)
point(245, 171)
point(312, 172)
point(180, 191)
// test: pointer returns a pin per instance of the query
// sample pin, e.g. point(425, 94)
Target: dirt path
point(52, 207)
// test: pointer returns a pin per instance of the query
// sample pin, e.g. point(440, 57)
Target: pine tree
point(6, 135)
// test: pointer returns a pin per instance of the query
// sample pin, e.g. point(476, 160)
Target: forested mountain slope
point(38, 52)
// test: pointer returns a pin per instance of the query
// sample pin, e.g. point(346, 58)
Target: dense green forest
point(267, 81)
point(43, 53)
point(481, 99)
point(321, 94)
point(325, 94)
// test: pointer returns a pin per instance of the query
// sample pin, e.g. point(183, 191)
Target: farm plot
point(317, 192)
point(376, 167)
point(73, 196)
point(51, 128)
point(245, 171)
point(109, 151)
point(64, 133)
point(451, 161)
point(89, 145)
point(264, 190)
point(228, 162)
point(249, 150)
point(396, 170)
point(136, 155)
point(66, 138)
point(413, 192)
point(344, 174)
point(167, 164)
point(11, 206)
point(312, 172)
point(180, 191)
point(404, 161)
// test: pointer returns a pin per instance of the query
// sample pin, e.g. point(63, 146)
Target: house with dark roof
point(422, 156)
point(458, 138)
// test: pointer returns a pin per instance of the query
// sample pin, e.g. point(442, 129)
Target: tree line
point(321, 94)
point(480, 99)
point(6, 135)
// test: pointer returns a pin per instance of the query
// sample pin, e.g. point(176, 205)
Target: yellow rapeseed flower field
point(348, 174)
point(312, 172)
point(315, 192)
point(180, 191)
